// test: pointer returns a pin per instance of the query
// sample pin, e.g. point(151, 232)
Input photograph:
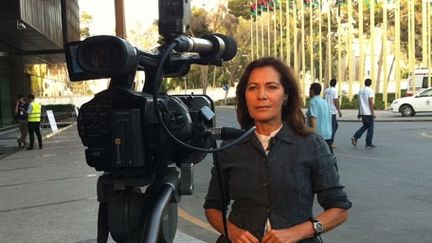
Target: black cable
point(221, 190)
point(102, 224)
point(156, 86)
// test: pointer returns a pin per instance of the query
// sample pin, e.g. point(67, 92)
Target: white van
point(419, 79)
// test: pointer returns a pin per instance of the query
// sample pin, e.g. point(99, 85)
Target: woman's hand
point(329, 219)
point(238, 235)
point(282, 235)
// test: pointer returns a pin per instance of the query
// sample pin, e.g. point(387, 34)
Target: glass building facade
point(32, 33)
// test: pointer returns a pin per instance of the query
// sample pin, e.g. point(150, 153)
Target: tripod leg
point(102, 236)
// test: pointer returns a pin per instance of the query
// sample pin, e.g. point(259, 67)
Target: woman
point(272, 175)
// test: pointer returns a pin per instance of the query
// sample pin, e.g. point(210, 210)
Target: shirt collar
point(285, 134)
point(314, 97)
point(264, 139)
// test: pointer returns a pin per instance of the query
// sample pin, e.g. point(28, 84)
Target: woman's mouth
point(262, 107)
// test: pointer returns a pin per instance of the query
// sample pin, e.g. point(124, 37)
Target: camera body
point(122, 134)
point(119, 126)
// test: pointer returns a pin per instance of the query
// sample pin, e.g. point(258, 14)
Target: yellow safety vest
point(35, 114)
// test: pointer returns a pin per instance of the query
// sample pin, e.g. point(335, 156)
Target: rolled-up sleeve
point(325, 179)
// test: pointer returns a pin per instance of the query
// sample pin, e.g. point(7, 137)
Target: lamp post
point(397, 48)
point(120, 19)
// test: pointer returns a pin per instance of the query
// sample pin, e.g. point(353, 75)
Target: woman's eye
point(250, 88)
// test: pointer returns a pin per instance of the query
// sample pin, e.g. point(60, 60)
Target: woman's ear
point(285, 99)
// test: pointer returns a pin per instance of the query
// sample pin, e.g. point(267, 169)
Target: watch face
point(318, 227)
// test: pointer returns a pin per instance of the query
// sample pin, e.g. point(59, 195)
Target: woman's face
point(265, 95)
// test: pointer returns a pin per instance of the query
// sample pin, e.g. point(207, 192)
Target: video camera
point(134, 137)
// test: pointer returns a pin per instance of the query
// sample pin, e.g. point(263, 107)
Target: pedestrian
point(272, 175)
point(21, 116)
point(319, 114)
point(331, 96)
point(225, 87)
point(367, 114)
point(34, 116)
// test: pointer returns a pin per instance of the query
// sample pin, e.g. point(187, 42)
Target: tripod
point(134, 215)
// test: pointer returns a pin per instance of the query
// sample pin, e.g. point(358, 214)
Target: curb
point(59, 131)
point(398, 119)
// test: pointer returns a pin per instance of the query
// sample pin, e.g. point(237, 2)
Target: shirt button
point(265, 184)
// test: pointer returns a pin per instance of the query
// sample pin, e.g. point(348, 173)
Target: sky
point(143, 12)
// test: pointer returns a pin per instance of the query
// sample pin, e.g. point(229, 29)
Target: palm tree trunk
point(380, 63)
point(204, 77)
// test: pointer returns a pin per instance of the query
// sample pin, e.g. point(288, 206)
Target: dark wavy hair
point(316, 87)
point(291, 111)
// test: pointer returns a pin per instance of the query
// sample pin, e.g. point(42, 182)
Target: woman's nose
point(262, 94)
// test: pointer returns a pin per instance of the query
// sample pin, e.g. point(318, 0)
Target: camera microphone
point(226, 133)
point(216, 45)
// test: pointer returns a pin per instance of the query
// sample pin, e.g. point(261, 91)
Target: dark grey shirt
point(279, 186)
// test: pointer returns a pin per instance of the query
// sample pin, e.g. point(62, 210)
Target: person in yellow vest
point(34, 116)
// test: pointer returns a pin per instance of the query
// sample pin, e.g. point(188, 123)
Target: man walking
point(319, 115)
point(366, 113)
point(331, 96)
point(34, 115)
point(21, 116)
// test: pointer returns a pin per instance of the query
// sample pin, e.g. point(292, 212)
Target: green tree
point(239, 8)
point(85, 21)
point(202, 23)
point(199, 23)
point(144, 38)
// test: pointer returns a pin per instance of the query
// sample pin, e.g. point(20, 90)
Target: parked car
point(409, 106)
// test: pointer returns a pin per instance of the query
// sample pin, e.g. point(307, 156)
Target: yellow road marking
point(196, 221)
point(60, 130)
point(428, 135)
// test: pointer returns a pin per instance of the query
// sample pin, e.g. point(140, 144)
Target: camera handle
point(152, 226)
point(133, 216)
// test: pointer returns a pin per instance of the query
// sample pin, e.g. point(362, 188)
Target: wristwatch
point(318, 227)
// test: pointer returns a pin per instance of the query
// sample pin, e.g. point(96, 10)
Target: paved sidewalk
point(381, 116)
point(8, 141)
point(53, 186)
